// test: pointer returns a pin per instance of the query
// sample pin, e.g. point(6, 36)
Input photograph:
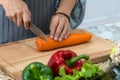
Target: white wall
point(101, 11)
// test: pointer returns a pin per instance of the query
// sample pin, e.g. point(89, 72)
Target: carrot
point(74, 38)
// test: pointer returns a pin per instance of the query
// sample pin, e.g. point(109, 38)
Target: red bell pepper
point(68, 59)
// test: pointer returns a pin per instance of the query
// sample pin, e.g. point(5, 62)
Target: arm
point(66, 6)
point(60, 26)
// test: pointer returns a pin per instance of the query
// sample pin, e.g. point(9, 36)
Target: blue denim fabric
point(78, 13)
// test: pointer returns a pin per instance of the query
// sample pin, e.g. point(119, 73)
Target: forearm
point(66, 6)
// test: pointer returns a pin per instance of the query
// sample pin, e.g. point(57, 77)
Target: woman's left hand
point(59, 27)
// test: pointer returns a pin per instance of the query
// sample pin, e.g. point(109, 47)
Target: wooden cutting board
point(15, 56)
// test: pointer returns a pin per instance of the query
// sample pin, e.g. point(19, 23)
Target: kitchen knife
point(37, 31)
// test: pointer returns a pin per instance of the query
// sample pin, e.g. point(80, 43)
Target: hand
point(59, 27)
point(17, 11)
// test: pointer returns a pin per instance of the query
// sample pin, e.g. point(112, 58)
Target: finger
point(26, 17)
point(59, 30)
point(53, 26)
point(26, 20)
point(14, 17)
point(68, 33)
point(8, 13)
point(26, 10)
point(19, 19)
point(63, 34)
point(9, 16)
point(13, 13)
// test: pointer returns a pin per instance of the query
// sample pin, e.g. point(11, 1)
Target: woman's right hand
point(17, 11)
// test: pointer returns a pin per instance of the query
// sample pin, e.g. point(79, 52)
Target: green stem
point(71, 61)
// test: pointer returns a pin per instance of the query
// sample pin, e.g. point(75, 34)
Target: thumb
point(26, 20)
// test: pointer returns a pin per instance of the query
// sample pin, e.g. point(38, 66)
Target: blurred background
point(102, 18)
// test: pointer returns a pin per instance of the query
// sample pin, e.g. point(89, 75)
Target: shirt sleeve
point(77, 13)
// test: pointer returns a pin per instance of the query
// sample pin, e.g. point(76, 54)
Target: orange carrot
point(74, 38)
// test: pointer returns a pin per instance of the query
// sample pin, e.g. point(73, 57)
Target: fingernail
point(55, 38)
point(65, 37)
point(60, 39)
point(51, 36)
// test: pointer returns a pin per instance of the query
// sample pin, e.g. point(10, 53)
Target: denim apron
point(42, 11)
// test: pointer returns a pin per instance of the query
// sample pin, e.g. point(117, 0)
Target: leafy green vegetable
point(88, 70)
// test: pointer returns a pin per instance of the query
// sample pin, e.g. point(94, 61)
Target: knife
point(37, 31)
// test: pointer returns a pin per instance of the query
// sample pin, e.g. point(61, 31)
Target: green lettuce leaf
point(87, 71)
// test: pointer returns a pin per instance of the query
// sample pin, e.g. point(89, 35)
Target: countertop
point(109, 31)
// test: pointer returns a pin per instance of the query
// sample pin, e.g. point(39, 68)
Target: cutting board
point(15, 56)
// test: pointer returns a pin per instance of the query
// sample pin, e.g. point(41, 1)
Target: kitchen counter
point(110, 31)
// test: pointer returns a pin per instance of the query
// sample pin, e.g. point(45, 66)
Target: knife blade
point(37, 31)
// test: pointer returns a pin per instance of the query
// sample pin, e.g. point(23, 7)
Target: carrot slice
point(74, 38)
